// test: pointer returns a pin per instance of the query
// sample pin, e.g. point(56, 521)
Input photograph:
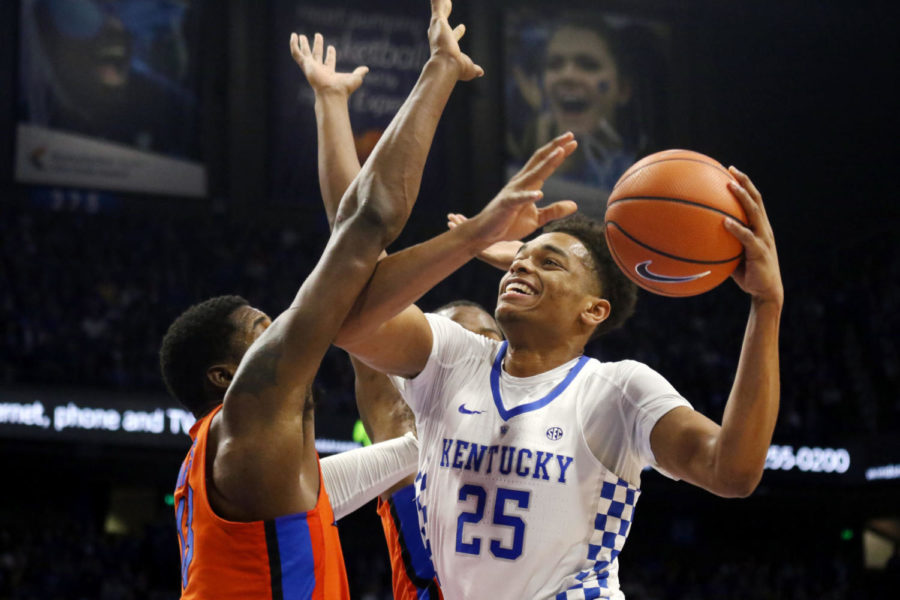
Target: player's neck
point(524, 360)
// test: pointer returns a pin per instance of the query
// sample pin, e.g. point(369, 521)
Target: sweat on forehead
point(561, 243)
point(568, 244)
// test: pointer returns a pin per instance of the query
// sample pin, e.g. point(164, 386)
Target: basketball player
point(384, 414)
point(253, 520)
point(531, 453)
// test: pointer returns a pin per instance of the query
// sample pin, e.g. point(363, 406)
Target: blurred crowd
point(791, 572)
point(86, 298)
point(66, 559)
point(71, 559)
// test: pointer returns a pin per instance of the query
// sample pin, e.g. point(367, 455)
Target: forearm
point(752, 407)
point(338, 162)
point(384, 413)
point(389, 181)
point(402, 278)
point(358, 476)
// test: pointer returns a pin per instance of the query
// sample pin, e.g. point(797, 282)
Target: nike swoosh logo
point(643, 269)
point(466, 411)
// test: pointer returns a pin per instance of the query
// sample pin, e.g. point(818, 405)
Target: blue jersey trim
point(298, 576)
point(505, 414)
point(403, 502)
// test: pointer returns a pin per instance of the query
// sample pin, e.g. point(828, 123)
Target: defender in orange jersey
point(381, 408)
point(252, 514)
point(295, 556)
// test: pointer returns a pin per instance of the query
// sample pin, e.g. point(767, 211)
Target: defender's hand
point(758, 274)
point(512, 214)
point(320, 73)
point(444, 41)
point(499, 254)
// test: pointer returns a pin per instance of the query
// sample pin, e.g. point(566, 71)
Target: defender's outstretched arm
point(383, 411)
point(258, 464)
point(337, 160)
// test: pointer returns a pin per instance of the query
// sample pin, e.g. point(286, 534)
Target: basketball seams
point(679, 201)
point(679, 206)
point(672, 256)
point(717, 167)
point(644, 284)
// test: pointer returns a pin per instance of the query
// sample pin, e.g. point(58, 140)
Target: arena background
point(798, 96)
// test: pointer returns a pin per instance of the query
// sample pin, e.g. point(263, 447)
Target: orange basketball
point(664, 223)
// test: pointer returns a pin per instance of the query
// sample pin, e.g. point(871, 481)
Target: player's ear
point(596, 310)
point(220, 376)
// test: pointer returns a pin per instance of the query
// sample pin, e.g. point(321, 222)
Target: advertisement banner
point(87, 416)
point(48, 157)
point(388, 38)
point(108, 95)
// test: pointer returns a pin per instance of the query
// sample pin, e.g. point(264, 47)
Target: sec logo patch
point(554, 433)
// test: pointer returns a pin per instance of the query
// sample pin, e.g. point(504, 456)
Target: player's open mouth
point(517, 288)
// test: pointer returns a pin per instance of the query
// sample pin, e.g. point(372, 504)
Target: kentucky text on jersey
point(524, 462)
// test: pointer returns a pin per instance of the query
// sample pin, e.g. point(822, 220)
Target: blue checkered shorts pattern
point(611, 527)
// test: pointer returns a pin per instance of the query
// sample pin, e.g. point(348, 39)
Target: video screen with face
point(600, 76)
point(108, 95)
point(389, 39)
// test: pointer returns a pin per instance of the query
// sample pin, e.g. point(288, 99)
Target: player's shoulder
point(631, 381)
point(622, 378)
point(464, 342)
point(618, 371)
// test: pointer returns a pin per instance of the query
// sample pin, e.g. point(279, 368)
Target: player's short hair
point(457, 303)
point(196, 340)
point(614, 285)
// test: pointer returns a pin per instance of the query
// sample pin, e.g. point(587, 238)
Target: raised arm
point(383, 412)
point(401, 170)
point(499, 255)
point(338, 162)
point(264, 407)
point(401, 344)
point(728, 460)
point(381, 408)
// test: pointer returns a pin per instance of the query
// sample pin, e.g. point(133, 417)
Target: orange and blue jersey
point(412, 572)
point(291, 557)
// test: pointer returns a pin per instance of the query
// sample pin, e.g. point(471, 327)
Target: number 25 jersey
point(527, 486)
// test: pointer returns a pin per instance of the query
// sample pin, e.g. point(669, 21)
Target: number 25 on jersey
point(519, 498)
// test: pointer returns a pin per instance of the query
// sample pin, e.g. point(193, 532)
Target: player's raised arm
point(337, 159)
point(499, 255)
point(263, 413)
point(401, 169)
point(383, 412)
point(401, 344)
point(729, 460)
point(353, 478)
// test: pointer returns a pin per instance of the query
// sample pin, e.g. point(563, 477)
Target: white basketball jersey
point(513, 501)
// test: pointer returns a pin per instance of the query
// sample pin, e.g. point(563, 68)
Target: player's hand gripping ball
point(664, 223)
